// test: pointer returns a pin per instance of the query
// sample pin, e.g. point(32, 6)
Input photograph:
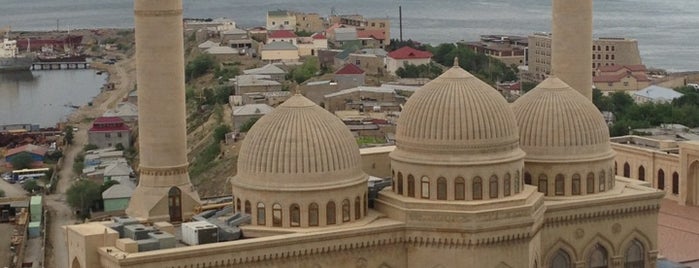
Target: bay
point(45, 97)
point(665, 29)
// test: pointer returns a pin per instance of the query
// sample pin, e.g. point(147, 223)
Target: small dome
point(457, 113)
point(556, 123)
point(299, 146)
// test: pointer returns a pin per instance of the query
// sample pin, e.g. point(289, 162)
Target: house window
point(661, 179)
point(506, 185)
point(400, 184)
point(543, 184)
point(560, 184)
point(260, 213)
point(295, 215)
point(248, 209)
point(286, 22)
point(330, 213)
point(313, 214)
point(634, 255)
point(425, 188)
point(493, 187)
point(441, 189)
point(107, 135)
point(345, 210)
point(119, 135)
point(590, 183)
point(610, 84)
point(561, 260)
point(274, 23)
point(459, 189)
point(626, 84)
point(357, 208)
point(277, 215)
point(411, 186)
point(357, 62)
point(602, 181)
point(641, 173)
point(675, 183)
point(598, 258)
point(477, 188)
point(576, 184)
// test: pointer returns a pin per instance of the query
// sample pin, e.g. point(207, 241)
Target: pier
point(60, 65)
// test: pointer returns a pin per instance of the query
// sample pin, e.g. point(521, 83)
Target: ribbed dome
point(299, 145)
point(556, 123)
point(457, 113)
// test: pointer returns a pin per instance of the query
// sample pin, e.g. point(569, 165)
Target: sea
point(666, 30)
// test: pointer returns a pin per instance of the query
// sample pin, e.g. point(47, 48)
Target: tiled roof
point(350, 69)
point(318, 36)
point(614, 68)
point(108, 124)
point(279, 46)
point(282, 34)
point(407, 52)
point(658, 93)
point(29, 148)
point(375, 34)
point(617, 78)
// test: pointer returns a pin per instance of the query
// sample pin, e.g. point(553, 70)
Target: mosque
point(476, 181)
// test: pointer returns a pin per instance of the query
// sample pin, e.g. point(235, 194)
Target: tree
point(199, 66)
point(2, 193)
point(31, 186)
point(221, 131)
point(307, 70)
point(119, 147)
point(248, 124)
point(68, 131)
point(89, 147)
point(81, 196)
point(21, 161)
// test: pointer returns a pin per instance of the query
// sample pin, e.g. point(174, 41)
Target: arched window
point(459, 189)
point(517, 182)
point(590, 183)
point(295, 215)
point(238, 205)
point(560, 185)
point(602, 181)
point(598, 257)
point(425, 187)
point(345, 210)
point(477, 188)
point(357, 208)
point(248, 209)
point(506, 185)
point(493, 187)
point(330, 213)
point(400, 184)
point(365, 206)
point(277, 215)
point(634, 255)
point(560, 260)
point(441, 189)
point(260, 213)
point(575, 183)
point(543, 184)
point(661, 179)
point(641, 173)
point(411, 186)
point(527, 178)
point(675, 183)
point(313, 214)
point(627, 170)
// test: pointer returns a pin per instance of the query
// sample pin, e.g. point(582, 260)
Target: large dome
point(559, 124)
point(298, 146)
point(457, 113)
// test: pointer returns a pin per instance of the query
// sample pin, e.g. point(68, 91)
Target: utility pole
point(400, 21)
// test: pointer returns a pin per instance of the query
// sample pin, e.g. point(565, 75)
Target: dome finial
point(456, 62)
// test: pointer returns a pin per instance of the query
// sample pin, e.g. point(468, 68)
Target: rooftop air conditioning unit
point(199, 232)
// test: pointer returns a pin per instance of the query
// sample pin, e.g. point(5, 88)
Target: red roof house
point(350, 76)
point(108, 132)
point(282, 34)
point(349, 69)
point(36, 152)
point(404, 56)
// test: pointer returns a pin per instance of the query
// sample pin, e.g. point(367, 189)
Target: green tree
point(2, 193)
point(21, 161)
point(69, 136)
point(82, 195)
point(31, 186)
point(221, 131)
point(245, 127)
point(119, 147)
point(89, 147)
point(430, 71)
point(199, 66)
point(307, 70)
point(527, 86)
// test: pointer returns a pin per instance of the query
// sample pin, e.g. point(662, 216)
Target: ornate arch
point(635, 234)
point(599, 239)
point(560, 245)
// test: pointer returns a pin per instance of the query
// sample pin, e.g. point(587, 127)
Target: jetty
point(60, 65)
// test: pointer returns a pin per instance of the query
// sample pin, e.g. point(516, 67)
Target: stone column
point(162, 136)
point(571, 44)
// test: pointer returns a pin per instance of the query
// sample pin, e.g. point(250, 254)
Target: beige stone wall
point(242, 90)
point(652, 161)
point(571, 44)
point(372, 65)
point(287, 22)
point(689, 170)
point(375, 161)
point(280, 55)
point(309, 22)
point(628, 83)
point(339, 103)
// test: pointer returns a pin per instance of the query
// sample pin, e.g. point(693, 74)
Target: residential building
point(271, 98)
point(214, 25)
point(255, 83)
point(275, 73)
point(343, 35)
point(125, 110)
point(108, 132)
point(349, 76)
point(233, 34)
point(605, 52)
point(316, 90)
point(208, 44)
point(404, 56)
point(363, 98)
point(621, 78)
point(656, 94)
point(372, 64)
point(280, 52)
point(281, 36)
point(361, 23)
point(247, 112)
point(509, 49)
point(309, 22)
point(372, 38)
point(116, 197)
point(281, 20)
point(36, 152)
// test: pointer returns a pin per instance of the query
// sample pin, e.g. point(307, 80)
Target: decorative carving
point(579, 233)
point(616, 228)
point(158, 13)
point(163, 171)
point(361, 263)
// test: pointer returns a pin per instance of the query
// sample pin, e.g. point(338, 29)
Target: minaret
point(571, 44)
point(164, 191)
